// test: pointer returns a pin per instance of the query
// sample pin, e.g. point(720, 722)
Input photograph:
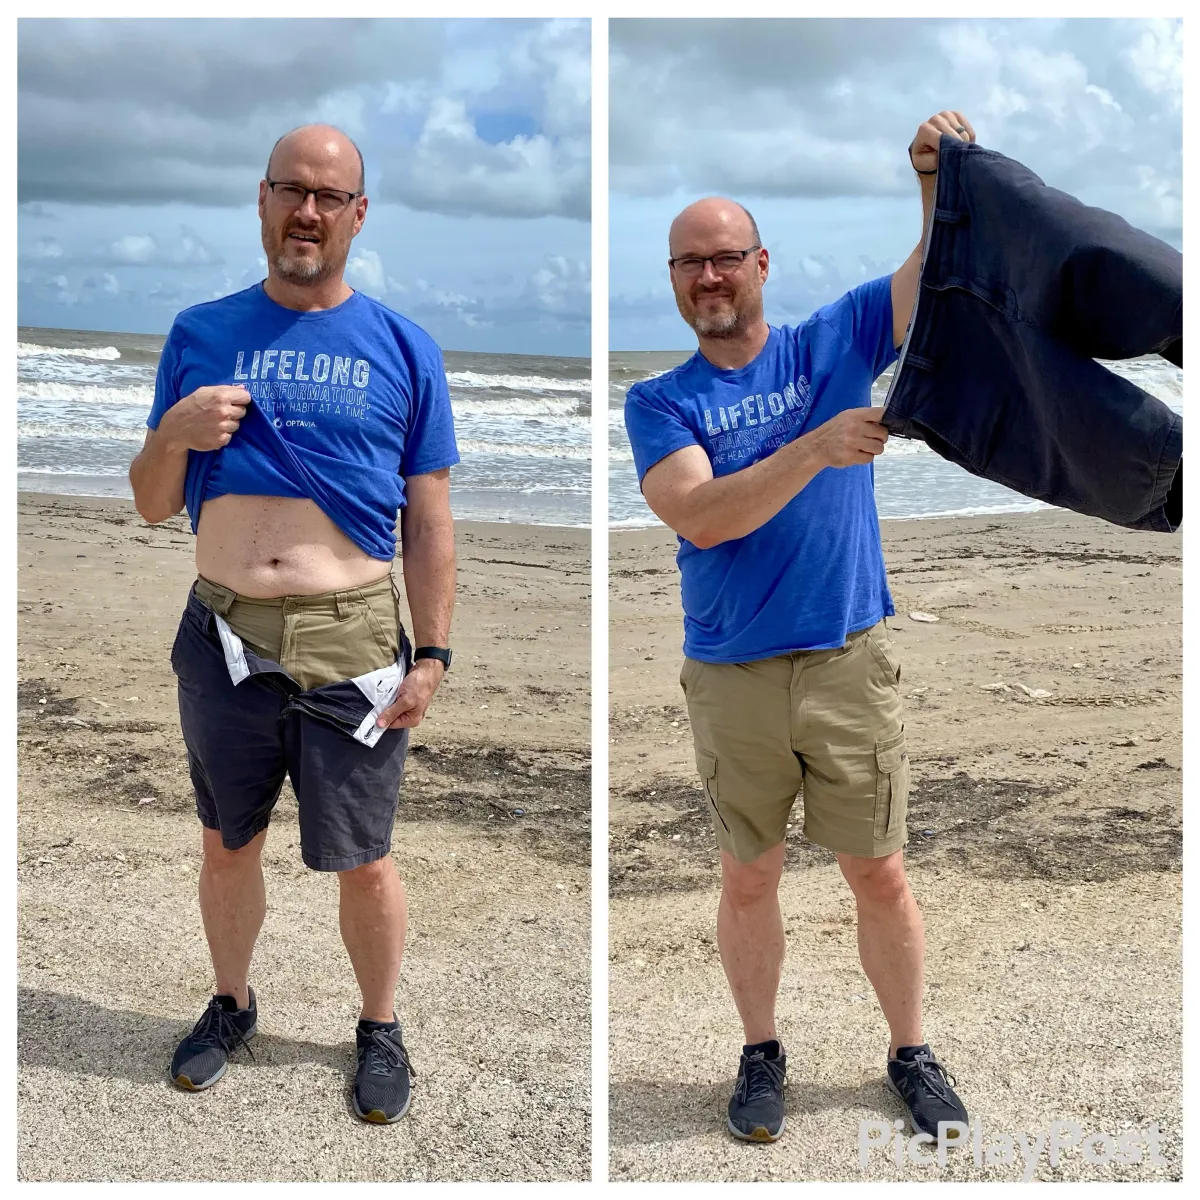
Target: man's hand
point(413, 696)
point(850, 439)
point(923, 150)
point(207, 419)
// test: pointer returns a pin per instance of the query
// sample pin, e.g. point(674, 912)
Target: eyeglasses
point(292, 195)
point(723, 263)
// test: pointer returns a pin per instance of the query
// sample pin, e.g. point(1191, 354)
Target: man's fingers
point(402, 705)
point(959, 119)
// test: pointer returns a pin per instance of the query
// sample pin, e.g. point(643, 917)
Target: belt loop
point(343, 605)
point(221, 600)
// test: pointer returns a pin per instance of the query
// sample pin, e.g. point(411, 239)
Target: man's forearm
point(429, 578)
point(157, 476)
point(732, 506)
point(908, 276)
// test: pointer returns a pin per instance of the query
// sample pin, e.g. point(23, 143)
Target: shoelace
point(761, 1078)
point(217, 1027)
point(937, 1080)
point(387, 1056)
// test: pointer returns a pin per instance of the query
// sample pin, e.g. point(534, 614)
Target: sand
point(1045, 853)
point(113, 968)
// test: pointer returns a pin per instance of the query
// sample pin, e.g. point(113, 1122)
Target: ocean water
point(910, 480)
point(522, 422)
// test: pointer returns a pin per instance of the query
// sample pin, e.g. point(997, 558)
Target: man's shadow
point(70, 1034)
point(645, 1111)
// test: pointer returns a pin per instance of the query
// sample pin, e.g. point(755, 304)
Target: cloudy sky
point(807, 121)
point(141, 144)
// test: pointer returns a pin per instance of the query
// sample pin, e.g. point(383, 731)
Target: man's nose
point(708, 273)
point(309, 208)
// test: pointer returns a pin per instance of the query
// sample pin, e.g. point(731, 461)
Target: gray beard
point(301, 270)
point(720, 325)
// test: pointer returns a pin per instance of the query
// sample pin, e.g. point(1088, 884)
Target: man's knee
point(747, 884)
point(217, 858)
point(876, 880)
point(370, 876)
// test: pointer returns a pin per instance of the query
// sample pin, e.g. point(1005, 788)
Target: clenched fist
point(923, 149)
point(850, 439)
point(207, 419)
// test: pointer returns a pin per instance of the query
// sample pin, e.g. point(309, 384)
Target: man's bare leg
point(233, 903)
point(374, 918)
point(891, 941)
point(750, 938)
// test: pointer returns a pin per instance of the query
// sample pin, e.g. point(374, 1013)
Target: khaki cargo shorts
point(317, 639)
point(825, 722)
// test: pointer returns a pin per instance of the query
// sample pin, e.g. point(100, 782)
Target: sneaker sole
point(951, 1142)
point(185, 1084)
point(378, 1117)
point(760, 1133)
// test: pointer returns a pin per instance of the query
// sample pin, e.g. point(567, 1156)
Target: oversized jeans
point(1022, 288)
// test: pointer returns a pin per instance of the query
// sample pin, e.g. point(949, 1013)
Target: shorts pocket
point(685, 673)
point(706, 764)
point(885, 655)
point(387, 647)
point(891, 785)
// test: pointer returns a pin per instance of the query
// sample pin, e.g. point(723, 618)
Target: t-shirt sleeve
point(166, 381)
point(655, 429)
point(863, 318)
point(430, 445)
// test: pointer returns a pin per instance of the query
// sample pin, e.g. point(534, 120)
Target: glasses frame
point(350, 196)
point(672, 262)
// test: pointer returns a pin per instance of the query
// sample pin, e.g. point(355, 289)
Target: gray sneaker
point(201, 1058)
point(383, 1081)
point(756, 1112)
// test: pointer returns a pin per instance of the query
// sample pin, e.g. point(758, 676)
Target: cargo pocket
point(706, 764)
point(891, 786)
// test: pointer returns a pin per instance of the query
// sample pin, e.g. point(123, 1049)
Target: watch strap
point(441, 653)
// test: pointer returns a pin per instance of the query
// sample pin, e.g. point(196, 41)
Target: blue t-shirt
point(347, 402)
point(814, 572)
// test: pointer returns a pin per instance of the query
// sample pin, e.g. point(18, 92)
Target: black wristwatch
point(440, 653)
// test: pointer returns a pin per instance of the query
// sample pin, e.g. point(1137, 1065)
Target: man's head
point(307, 238)
point(717, 301)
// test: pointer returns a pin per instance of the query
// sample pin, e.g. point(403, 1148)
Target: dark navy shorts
point(244, 737)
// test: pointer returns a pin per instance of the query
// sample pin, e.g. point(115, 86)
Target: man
point(758, 452)
point(294, 419)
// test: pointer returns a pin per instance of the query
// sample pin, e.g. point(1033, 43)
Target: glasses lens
point(727, 262)
point(331, 202)
point(689, 266)
point(287, 195)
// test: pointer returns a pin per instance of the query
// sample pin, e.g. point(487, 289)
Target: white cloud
point(43, 249)
point(133, 250)
point(815, 108)
point(144, 250)
point(452, 169)
point(364, 270)
point(1156, 59)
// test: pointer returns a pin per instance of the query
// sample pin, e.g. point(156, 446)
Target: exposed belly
point(267, 546)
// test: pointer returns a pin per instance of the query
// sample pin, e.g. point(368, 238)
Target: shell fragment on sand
point(1034, 693)
point(923, 616)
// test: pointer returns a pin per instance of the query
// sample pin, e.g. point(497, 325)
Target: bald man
point(294, 420)
point(758, 452)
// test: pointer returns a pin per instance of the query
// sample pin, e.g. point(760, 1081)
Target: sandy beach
point(1045, 853)
point(491, 838)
